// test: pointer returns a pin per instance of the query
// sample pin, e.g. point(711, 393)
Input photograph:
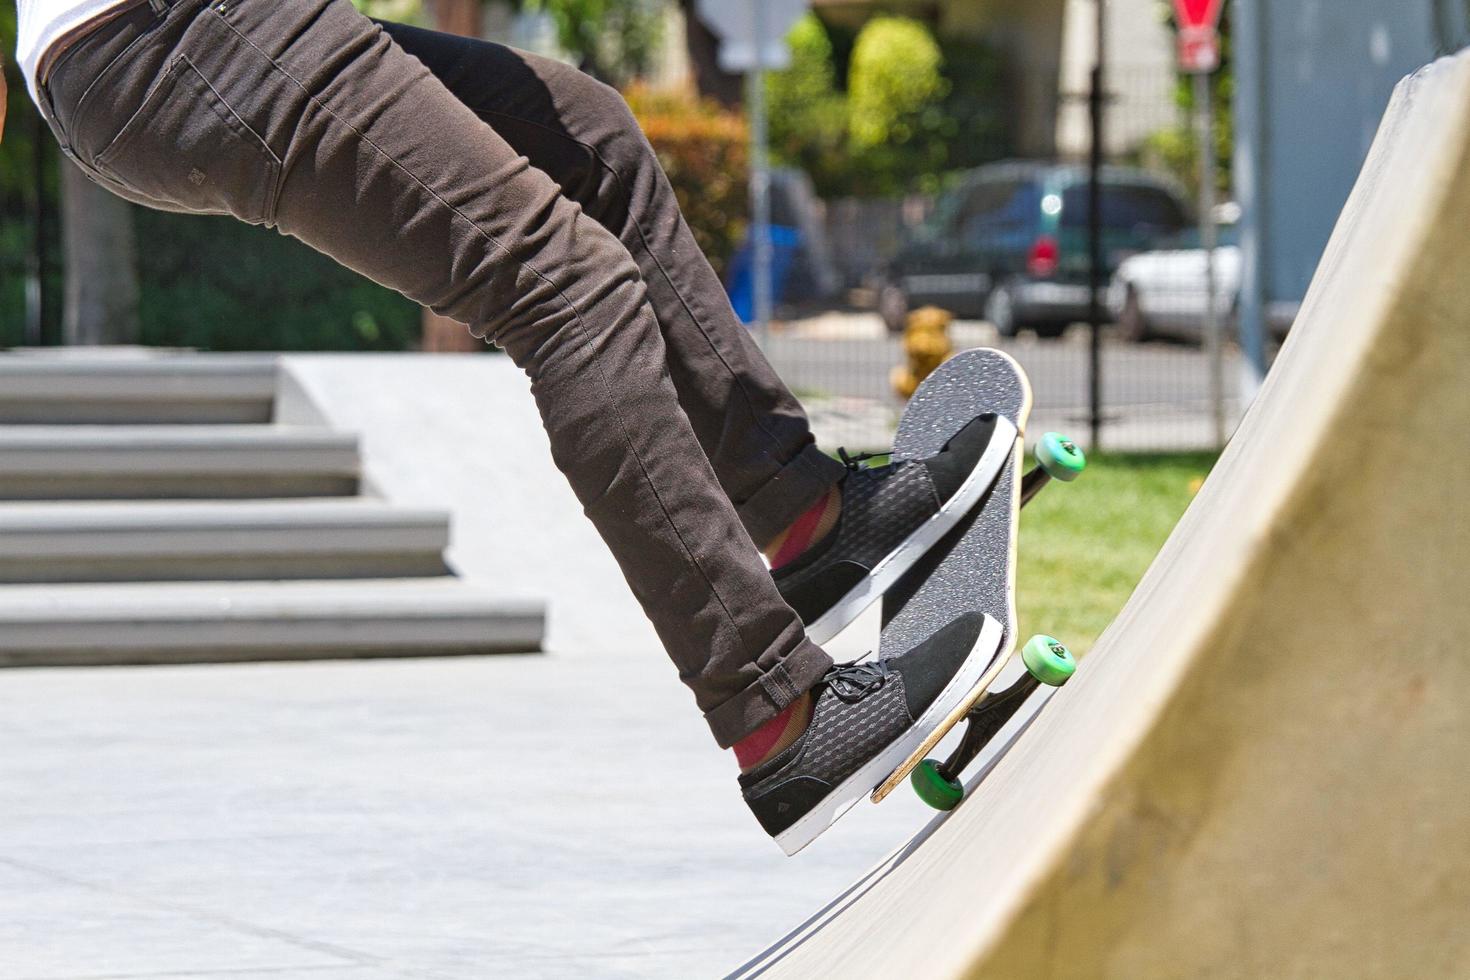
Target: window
point(1125, 206)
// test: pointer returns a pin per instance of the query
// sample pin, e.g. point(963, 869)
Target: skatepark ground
point(1259, 770)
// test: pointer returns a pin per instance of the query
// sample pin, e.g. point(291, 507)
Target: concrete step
point(71, 462)
point(163, 540)
point(209, 622)
point(97, 389)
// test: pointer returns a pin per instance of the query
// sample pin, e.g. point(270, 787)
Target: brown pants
point(516, 195)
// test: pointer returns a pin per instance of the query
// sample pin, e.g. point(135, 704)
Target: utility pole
point(1097, 273)
point(760, 174)
point(35, 323)
point(1199, 55)
point(1214, 329)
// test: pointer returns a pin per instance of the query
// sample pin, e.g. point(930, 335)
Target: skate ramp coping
point(1260, 769)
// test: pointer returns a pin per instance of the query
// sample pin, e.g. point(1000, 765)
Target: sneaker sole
point(861, 783)
point(925, 536)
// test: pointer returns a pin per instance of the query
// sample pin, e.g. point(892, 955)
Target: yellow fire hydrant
point(926, 344)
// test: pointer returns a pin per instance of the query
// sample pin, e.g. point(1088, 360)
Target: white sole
point(874, 771)
point(924, 537)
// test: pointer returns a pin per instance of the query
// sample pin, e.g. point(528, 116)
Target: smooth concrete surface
point(562, 815)
point(48, 462)
point(1260, 769)
point(112, 386)
point(198, 622)
point(459, 432)
point(353, 537)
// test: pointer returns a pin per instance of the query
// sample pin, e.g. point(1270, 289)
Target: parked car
point(1009, 242)
point(1163, 293)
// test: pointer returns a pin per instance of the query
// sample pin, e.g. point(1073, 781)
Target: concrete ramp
point(1263, 767)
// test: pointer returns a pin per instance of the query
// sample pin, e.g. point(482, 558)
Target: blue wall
point(1327, 69)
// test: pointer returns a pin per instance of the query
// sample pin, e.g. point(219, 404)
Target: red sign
point(1198, 13)
point(1199, 41)
point(1199, 50)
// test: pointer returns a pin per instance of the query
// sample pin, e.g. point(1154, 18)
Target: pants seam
point(576, 314)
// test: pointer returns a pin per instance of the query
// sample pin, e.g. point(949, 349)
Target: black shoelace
point(853, 682)
point(852, 462)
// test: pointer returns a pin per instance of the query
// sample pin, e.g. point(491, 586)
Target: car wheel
point(893, 306)
point(1000, 309)
point(1132, 324)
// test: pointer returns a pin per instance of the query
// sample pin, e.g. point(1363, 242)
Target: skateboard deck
point(974, 568)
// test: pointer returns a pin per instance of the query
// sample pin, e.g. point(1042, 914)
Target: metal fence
point(1006, 251)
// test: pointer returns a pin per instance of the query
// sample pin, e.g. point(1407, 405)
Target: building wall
point(1140, 75)
point(1326, 70)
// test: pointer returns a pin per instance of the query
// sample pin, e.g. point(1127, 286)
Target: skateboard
point(973, 569)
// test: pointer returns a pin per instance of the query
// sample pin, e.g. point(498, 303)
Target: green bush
point(705, 151)
point(976, 125)
point(913, 108)
point(895, 104)
point(807, 114)
point(218, 284)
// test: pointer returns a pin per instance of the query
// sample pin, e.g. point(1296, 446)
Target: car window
point(1126, 206)
point(999, 200)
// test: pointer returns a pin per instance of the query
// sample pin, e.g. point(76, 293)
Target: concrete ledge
point(78, 462)
point(103, 390)
point(212, 540)
point(55, 625)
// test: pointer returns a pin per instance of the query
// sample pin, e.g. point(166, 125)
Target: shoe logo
point(782, 807)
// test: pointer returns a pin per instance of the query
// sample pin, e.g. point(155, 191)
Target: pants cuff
point(798, 485)
point(764, 698)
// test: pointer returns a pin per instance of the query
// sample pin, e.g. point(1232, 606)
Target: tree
point(101, 297)
point(895, 103)
point(703, 48)
point(614, 40)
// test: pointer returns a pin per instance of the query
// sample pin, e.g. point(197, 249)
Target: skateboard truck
point(1048, 662)
point(1057, 458)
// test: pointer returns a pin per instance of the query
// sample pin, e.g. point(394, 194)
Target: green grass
point(1085, 545)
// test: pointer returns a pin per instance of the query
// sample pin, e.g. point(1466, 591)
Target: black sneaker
point(867, 718)
point(891, 515)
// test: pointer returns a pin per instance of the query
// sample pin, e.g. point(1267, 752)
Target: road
point(1155, 396)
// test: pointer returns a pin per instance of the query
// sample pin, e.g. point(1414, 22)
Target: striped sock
point(812, 526)
point(774, 735)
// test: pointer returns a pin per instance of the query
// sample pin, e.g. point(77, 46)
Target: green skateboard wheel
point(1048, 660)
point(934, 788)
point(1060, 457)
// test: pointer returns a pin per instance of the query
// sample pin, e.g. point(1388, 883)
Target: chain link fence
point(1004, 249)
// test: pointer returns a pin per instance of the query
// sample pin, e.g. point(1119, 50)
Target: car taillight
point(1042, 260)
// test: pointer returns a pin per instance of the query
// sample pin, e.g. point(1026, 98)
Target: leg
point(308, 117)
point(582, 135)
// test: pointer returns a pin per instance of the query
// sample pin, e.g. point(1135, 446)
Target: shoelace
point(853, 682)
point(851, 462)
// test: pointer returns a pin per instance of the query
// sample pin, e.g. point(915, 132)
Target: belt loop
point(159, 6)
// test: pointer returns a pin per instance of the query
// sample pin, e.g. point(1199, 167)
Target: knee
point(607, 124)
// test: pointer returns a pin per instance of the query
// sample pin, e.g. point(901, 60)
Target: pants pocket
point(185, 146)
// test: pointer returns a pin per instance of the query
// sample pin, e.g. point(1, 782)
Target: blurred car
point(1163, 293)
point(1009, 242)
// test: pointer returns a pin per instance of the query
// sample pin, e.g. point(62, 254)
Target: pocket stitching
point(172, 77)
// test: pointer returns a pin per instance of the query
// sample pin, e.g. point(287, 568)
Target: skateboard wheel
point(1048, 660)
point(1060, 457)
point(934, 788)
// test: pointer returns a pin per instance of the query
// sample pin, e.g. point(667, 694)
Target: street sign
point(737, 25)
point(1199, 36)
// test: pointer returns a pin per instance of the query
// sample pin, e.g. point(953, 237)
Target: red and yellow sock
point(812, 526)
point(775, 735)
